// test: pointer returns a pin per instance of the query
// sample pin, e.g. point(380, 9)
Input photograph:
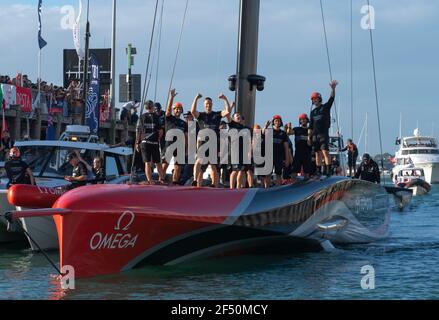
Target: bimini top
point(75, 145)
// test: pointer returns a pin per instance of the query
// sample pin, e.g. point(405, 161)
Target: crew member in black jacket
point(368, 170)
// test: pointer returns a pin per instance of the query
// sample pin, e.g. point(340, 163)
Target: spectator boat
point(47, 160)
point(420, 151)
point(414, 179)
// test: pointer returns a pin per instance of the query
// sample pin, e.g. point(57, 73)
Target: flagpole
point(113, 66)
point(39, 78)
point(85, 87)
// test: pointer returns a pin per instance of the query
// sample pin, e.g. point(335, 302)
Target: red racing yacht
point(107, 229)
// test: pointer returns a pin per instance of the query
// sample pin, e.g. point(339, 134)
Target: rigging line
point(178, 50)
point(361, 135)
point(176, 57)
point(376, 94)
point(145, 91)
point(352, 70)
point(158, 51)
point(329, 63)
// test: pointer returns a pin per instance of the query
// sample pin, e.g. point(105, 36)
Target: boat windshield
point(50, 161)
point(420, 142)
point(412, 173)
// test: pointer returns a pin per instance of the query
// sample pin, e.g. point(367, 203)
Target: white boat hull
point(431, 171)
point(43, 231)
point(5, 235)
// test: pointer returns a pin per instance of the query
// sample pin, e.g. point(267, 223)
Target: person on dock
point(6, 144)
point(320, 123)
point(17, 170)
point(211, 120)
point(368, 170)
point(148, 136)
point(125, 114)
point(352, 150)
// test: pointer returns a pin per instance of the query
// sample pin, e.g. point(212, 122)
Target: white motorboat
point(47, 160)
point(414, 179)
point(421, 152)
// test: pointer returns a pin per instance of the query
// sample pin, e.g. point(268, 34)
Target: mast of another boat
point(366, 133)
point(400, 126)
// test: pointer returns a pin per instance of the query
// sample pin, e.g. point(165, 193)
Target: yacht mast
point(400, 126)
point(246, 80)
point(366, 133)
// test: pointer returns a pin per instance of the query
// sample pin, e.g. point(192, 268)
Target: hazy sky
point(291, 55)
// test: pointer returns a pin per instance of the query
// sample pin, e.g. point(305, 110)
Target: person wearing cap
point(79, 173)
point(188, 169)
point(174, 121)
point(97, 168)
point(320, 123)
point(148, 136)
point(352, 150)
point(281, 152)
point(302, 157)
point(211, 120)
point(17, 170)
point(368, 170)
point(238, 176)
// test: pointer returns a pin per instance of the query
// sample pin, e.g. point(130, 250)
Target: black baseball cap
point(71, 156)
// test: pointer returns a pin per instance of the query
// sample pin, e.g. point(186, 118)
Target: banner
point(92, 105)
point(77, 34)
point(24, 98)
point(9, 95)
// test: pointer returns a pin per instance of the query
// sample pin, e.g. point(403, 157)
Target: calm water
point(406, 267)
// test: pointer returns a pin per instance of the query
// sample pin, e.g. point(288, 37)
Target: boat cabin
point(419, 144)
point(47, 159)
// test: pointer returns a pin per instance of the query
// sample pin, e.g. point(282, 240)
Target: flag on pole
point(41, 42)
point(77, 34)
